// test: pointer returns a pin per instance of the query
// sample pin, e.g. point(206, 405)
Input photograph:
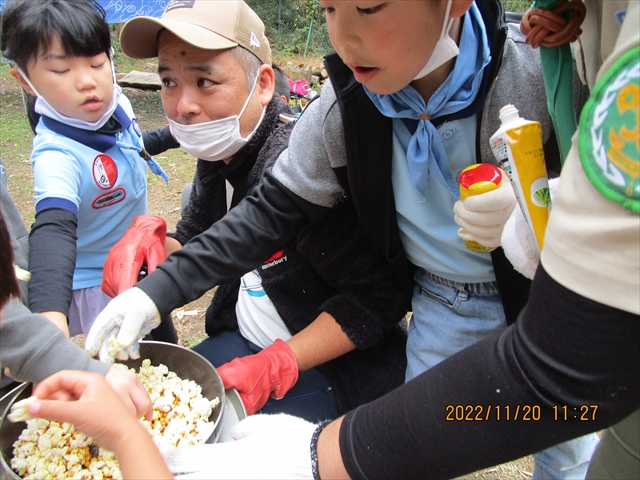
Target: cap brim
point(139, 36)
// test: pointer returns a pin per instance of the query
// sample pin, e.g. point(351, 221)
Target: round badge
point(609, 139)
point(105, 171)
point(136, 126)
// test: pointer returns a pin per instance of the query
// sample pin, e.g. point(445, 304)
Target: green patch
point(609, 140)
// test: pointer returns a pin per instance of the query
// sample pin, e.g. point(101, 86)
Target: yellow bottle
point(474, 180)
point(517, 145)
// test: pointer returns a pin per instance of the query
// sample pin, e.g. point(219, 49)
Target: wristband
point(314, 448)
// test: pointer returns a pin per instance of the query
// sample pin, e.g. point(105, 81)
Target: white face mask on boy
point(217, 139)
point(444, 50)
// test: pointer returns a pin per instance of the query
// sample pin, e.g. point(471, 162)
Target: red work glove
point(141, 244)
point(271, 372)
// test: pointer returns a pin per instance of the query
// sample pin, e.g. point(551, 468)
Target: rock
point(141, 80)
point(321, 73)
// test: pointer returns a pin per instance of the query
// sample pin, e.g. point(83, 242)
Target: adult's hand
point(117, 329)
point(270, 372)
point(130, 390)
point(519, 242)
point(482, 217)
point(264, 446)
point(142, 244)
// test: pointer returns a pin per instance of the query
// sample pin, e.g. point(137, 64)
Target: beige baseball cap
point(206, 24)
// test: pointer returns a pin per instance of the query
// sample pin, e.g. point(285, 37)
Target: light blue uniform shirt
point(108, 189)
point(427, 228)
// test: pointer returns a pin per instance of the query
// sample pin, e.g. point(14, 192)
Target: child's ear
point(18, 76)
point(459, 7)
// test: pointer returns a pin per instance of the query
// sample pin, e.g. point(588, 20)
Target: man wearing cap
point(318, 322)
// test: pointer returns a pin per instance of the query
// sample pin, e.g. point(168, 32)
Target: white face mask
point(444, 50)
point(44, 108)
point(215, 140)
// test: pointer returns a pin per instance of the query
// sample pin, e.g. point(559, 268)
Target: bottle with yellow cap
point(474, 180)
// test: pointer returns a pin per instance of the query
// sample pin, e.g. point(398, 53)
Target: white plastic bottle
point(517, 145)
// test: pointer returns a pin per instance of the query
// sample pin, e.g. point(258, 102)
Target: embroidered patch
point(110, 198)
point(253, 40)
point(136, 126)
point(105, 171)
point(609, 141)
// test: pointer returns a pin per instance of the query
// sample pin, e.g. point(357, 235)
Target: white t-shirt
point(258, 319)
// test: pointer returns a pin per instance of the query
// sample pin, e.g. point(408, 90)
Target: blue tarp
point(119, 11)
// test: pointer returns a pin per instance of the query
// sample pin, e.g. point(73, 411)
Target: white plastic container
point(517, 145)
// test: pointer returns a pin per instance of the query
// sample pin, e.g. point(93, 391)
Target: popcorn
point(20, 410)
point(52, 450)
point(113, 347)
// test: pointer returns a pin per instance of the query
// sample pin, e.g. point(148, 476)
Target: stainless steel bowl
point(186, 363)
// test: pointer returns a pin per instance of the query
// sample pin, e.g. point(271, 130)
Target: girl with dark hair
point(89, 159)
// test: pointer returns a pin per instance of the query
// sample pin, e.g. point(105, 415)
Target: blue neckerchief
point(101, 141)
point(426, 155)
point(92, 139)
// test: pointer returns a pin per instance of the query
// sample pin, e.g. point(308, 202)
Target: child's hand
point(59, 319)
point(141, 244)
point(117, 329)
point(87, 401)
point(130, 390)
point(482, 217)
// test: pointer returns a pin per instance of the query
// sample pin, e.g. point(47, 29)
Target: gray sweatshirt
point(31, 346)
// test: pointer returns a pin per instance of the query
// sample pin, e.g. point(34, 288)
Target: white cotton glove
point(482, 217)
point(264, 446)
point(125, 320)
point(519, 242)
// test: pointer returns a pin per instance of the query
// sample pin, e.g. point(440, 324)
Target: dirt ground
point(15, 145)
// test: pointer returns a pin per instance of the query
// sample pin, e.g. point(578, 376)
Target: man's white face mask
point(215, 140)
point(444, 50)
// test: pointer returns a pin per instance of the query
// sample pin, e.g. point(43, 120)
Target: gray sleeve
point(17, 230)
point(316, 147)
point(34, 348)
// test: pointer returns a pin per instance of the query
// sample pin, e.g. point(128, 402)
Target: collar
point(246, 157)
point(102, 139)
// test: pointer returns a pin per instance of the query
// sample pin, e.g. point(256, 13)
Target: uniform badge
point(105, 171)
point(108, 199)
point(609, 139)
point(136, 126)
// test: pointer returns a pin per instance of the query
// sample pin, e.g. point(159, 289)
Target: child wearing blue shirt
point(89, 159)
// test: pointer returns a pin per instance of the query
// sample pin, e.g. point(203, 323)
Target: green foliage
point(289, 24)
point(298, 27)
point(517, 5)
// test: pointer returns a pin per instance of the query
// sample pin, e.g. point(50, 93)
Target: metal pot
point(186, 363)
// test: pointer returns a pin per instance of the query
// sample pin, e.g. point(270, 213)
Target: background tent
point(119, 11)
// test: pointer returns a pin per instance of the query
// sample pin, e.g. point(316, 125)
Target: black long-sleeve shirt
point(567, 367)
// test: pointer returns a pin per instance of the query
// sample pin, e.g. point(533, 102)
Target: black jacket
point(330, 266)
